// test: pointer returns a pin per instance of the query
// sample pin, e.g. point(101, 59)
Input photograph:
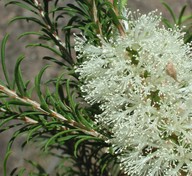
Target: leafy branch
point(61, 119)
point(50, 113)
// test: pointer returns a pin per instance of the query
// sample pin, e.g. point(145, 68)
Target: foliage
point(180, 21)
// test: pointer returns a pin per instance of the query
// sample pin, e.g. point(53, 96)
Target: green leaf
point(29, 33)
point(19, 78)
point(53, 60)
point(181, 15)
point(186, 17)
point(188, 38)
point(54, 137)
point(60, 95)
point(22, 5)
point(5, 162)
point(18, 103)
point(170, 11)
point(29, 113)
point(87, 122)
point(115, 3)
point(17, 134)
point(123, 3)
point(66, 138)
point(167, 23)
point(63, 51)
point(104, 161)
point(79, 10)
point(38, 89)
point(29, 2)
point(20, 172)
point(7, 120)
point(28, 19)
point(41, 170)
point(32, 131)
point(114, 17)
point(72, 103)
point(68, 31)
point(7, 127)
point(82, 139)
point(45, 46)
point(3, 44)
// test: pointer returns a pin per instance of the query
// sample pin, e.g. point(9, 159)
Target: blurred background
point(34, 62)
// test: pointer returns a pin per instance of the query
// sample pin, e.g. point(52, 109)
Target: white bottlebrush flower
point(143, 83)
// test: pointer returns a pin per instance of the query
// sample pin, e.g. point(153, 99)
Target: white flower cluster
point(143, 83)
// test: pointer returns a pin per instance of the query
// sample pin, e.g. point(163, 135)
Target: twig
point(54, 34)
point(26, 119)
point(95, 18)
point(119, 26)
point(37, 106)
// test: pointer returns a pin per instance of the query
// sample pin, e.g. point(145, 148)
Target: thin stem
point(116, 11)
point(53, 32)
point(95, 18)
point(119, 26)
point(25, 118)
